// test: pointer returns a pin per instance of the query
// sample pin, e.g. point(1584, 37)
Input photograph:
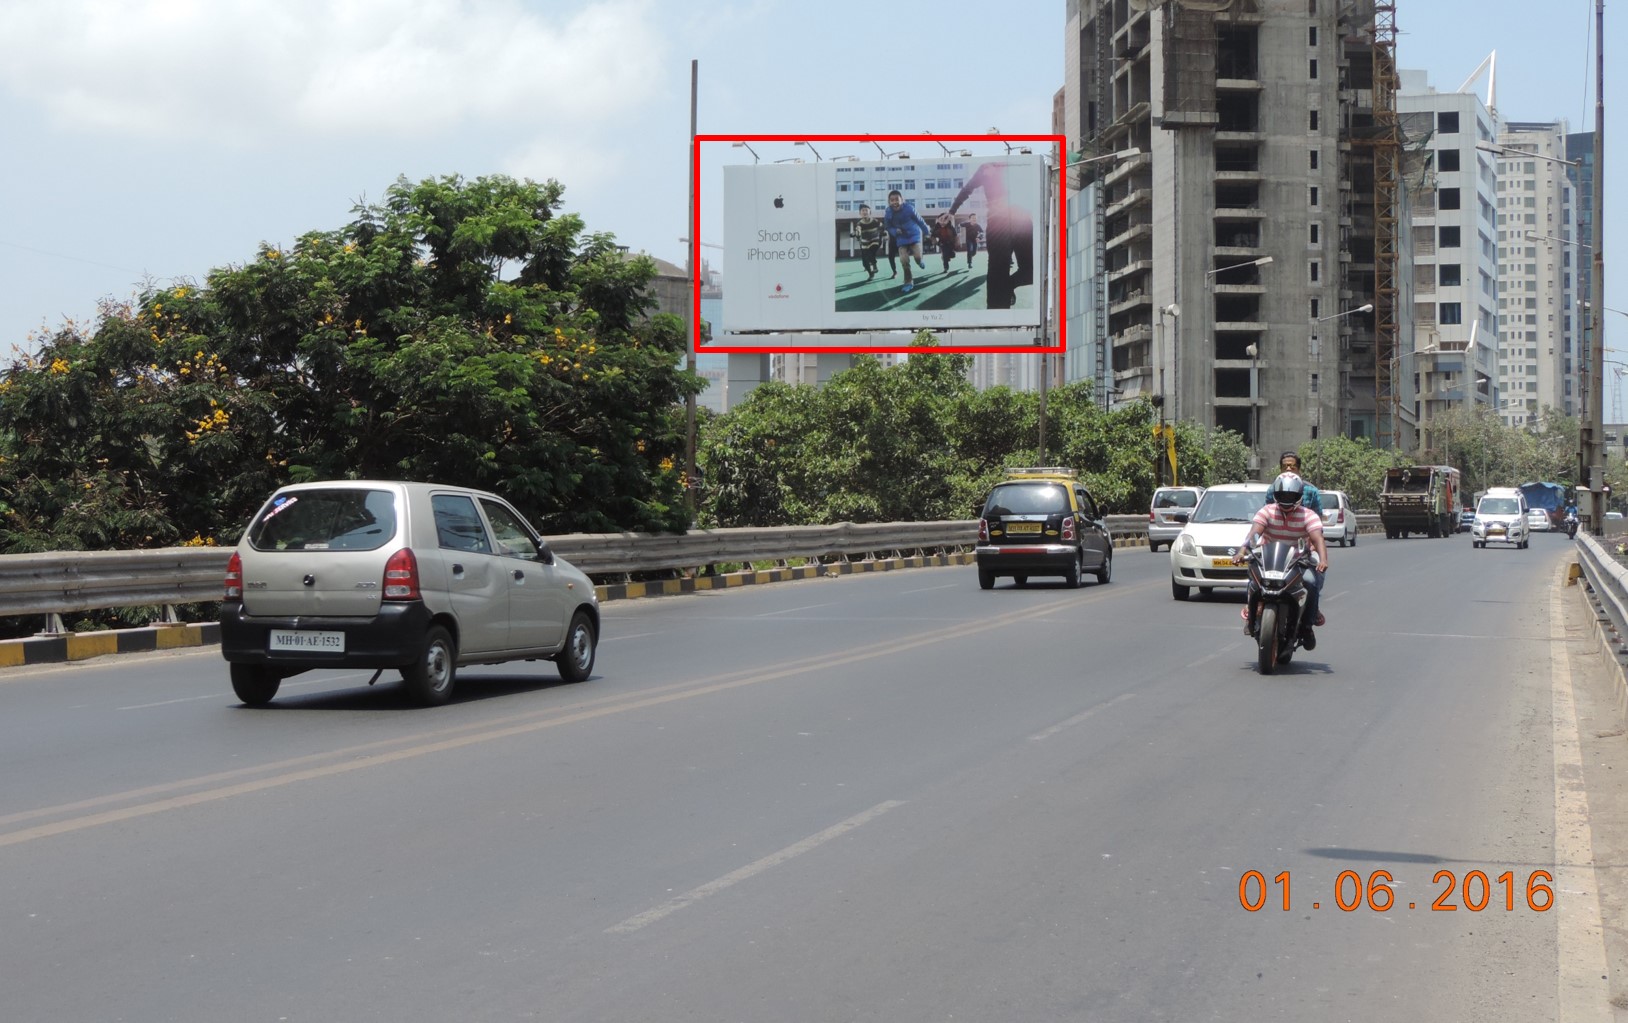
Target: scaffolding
point(1386, 142)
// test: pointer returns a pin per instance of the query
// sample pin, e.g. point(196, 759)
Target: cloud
point(245, 70)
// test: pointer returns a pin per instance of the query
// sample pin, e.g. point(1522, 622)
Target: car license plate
point(1221, 563)
point(1494, 529)
point(1023, 527)
point(318, 642)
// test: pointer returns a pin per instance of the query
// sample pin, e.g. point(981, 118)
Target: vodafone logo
point(779, 292)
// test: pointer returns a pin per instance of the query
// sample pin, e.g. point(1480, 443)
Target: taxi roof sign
point(1041, 471)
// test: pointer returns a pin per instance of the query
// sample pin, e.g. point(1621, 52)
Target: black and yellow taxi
point(1042, 521)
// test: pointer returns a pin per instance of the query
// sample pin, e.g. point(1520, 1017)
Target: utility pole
point(1592, 434)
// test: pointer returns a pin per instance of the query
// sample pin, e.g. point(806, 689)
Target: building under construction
point(1248, 264)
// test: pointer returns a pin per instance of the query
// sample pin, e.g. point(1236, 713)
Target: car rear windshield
point(1175, 499)
point(1026, 499)
point(342, 519)
point(1499, 506)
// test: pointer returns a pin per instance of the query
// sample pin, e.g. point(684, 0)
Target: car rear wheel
point(1106, 572)
point(429, 679)
point(1179, 591)
point(576, 661)
point(1071, 577)
point(254, 684)
point(986, 579)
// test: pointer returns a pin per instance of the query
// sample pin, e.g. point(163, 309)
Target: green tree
point(458, 331)
point(1353, 466)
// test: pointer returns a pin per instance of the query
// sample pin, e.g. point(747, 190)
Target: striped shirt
point(1277, 524)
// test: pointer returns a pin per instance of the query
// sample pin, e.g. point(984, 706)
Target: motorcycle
point(1276, 601)
point(1571, 526)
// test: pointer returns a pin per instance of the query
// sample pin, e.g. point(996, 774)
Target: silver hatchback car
point(416, 577)
point(1169, 512)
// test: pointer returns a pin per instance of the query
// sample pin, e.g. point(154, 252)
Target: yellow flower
point(667, 464)
point(60, 366)
point(508, 317)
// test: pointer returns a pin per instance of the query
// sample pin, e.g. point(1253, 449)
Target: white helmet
point(1288, 489)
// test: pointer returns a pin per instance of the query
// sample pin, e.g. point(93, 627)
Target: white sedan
point(1201, 556)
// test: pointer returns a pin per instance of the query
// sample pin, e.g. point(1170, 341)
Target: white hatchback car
point(1201, 557)
point(1339, 519)
point(416, 577)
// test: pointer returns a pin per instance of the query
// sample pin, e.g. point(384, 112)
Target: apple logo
point(779, 202)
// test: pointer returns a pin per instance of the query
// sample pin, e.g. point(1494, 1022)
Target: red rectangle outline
point(1062, 243)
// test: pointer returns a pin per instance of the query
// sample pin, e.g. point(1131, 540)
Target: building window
point(1451, 275)
point(1311, 68)
point(1447, 160)
point(1312, 194)
point(1312, 119)
point(1448, 238)
point(1313, 157)
point(1447, 122)
point(1450, 313)
point(1447, 199)
point(1315, 234)
point(1316, 271)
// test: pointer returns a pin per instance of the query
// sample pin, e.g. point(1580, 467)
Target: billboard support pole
point(1044, 301)
point(689, 316)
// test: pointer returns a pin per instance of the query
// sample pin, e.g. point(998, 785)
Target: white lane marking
point(928, 589)
point(1043, 735)
point(636, 635)
point(789, 610)
point(1583, 991)
point(694, 895)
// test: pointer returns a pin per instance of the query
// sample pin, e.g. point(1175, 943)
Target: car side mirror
point(544, 555)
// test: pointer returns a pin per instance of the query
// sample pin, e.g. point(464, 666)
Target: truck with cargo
point(1420, 499)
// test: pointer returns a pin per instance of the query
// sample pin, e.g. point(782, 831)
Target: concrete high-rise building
point(1452, 189)
point(1539, 301)
point(1225, 268)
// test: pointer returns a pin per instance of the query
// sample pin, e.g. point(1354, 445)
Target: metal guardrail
point(63, 582)
point(1607, 577)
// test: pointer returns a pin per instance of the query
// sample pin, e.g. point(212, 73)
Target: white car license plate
point(323, 642)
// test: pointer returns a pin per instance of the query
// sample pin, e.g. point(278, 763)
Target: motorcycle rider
point(1286, 519)
point(1571, 519)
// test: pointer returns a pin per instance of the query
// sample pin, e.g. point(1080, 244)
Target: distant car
point(1501, 517)
point(1537, 520)
point(1466, 520)
point(1612, 515)
point(1171, 508)
point(1339, 520)
point(1042, 521)
point(415, 577)
point(1201, 557)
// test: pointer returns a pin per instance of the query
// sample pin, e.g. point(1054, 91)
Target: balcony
point(1239, 213)
point(1131, 234)
point(1241, 326)
point(1240, 136)
point(1132, 335)
point(1237, 85)
point(1132, 301)
point(1132, 268)
point(1139, 197)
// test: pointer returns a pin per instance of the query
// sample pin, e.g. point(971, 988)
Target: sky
point(150, 141)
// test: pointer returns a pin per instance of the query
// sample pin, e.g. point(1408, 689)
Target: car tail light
point(1068, 527)
point(401, 576)
point(1150, 516)
point(234, 578)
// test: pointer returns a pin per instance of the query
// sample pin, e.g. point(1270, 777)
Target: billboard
point(844, 252)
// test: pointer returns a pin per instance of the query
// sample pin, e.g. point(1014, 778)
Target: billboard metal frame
point(1053, 247)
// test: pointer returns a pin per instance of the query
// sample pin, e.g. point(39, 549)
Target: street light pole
point(1206, 321)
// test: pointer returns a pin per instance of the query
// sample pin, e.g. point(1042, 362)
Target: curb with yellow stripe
point(79, 646)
